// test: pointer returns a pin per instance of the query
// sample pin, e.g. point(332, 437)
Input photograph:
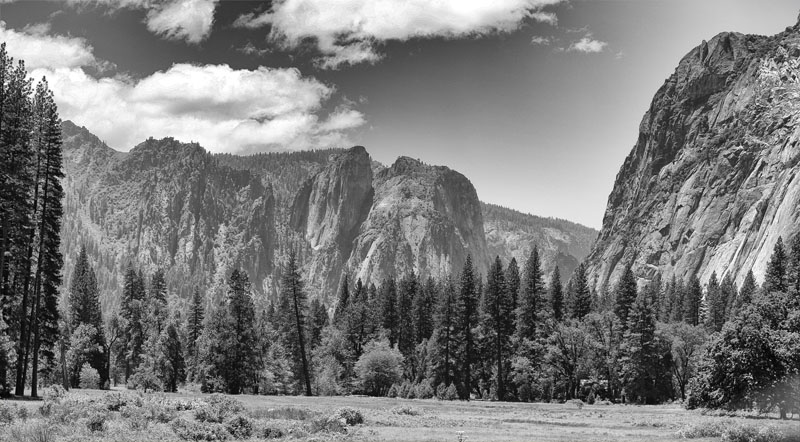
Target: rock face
point(511, 234)
point(171, 205)
point(424, 219)
point(712, 181)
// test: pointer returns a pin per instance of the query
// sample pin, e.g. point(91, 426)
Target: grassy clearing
point(126, 416)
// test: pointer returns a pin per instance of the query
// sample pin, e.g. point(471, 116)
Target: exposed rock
point(712, 181)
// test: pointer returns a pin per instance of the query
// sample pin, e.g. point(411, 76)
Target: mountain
point(172, 205)
point(511, 234)
point(712, 181)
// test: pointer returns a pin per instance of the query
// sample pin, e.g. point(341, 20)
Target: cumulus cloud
point(541, 41)
point(224, 109)
point(588, 45)
point(188, 20)
point(346, 30)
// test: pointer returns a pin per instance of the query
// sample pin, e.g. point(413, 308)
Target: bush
point(407, 411)
point(702, 430)
point(96, 423)
point(751, 433)
point(239, 427)
point(54, 393)
point(90, 378)
point(577, 403)
point(288, 413)
point(270, 433)
point(451, 393)
point(135, 417)
point(393, 391)
point(7, 413)
point(145, 380)
point(115, 401)
point(379, 367)
point(199, 431)
point(327, 425)
point(351, 416)
point(590, 399)
point(402, 392)
point(218, 408)
point(424, 391)
point(36, 431)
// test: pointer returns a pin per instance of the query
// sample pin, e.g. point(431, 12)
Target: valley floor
point(388, 419)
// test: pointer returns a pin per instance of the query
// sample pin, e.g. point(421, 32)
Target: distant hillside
point(510, 233)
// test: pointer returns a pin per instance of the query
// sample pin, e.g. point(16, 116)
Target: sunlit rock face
point(712, 181)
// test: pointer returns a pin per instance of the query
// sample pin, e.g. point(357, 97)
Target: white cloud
point(224, 109)
point(41, 50)
point(189, 20)
point(541, 41)
point(588, 45)
point(346, 30)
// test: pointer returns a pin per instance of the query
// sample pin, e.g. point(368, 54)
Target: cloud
point(541, 41)
point(251, 49)
point(224, 109)
point(346, 31)
point(188, 20)
point(588, 45)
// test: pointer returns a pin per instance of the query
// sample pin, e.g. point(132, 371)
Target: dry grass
point(302, 418)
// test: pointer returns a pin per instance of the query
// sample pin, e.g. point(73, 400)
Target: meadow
point(94, 415)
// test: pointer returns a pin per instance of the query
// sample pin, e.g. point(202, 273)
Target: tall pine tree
point(293, 306)
point(498, 313)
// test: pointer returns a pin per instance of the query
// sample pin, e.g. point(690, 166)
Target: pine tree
point(241, 364)
point(625, 294)
point(172, 365)
point(692, 301)
point(498, 311)
point(194, 325)
point(157, 302)
point(665, 310)
point(746, 293)
point(406, 292)
point(532, 305)
point(582, 297)
point(793, 268)
point(293, 305)
point(514, 283)
point(654, 290)
point(388, 304)
point(84, 306)
point(317, 321)
point(679, 296)
point(775, 278)
point(467, 318)
point(133, 336)
point(446, 333)
point(424, 304)
point(557, 295)
point(343, 300)
point(647, 360)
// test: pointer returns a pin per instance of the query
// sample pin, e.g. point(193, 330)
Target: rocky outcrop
point(329, 210)
point(424, 219)
point(512, 234)
point(712, 181)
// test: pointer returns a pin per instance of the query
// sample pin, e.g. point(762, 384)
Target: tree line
point(30, 223)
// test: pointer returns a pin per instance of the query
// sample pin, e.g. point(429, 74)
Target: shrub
point(441, 389)
point(199, 431)
point(702, 430)
point(424, 391)
point(590, 399)
point(96, 423)
point(288, 413)
point(379, 367)
point(751, 433)
point(54, 393)
point(115, 401)
point(145, 380)
point(135, 417)
point(577, 403)
point(270, 433)
point(407, 411)
point(90, 378)
point(393, 391)
point(327, 425)
point(7, 413)
point(36, 431)
point(239, 427)
point(159, 410)
point(351, 416)
point(451, 393)
point(218, 408)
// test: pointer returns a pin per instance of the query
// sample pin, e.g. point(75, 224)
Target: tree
point(445, 337)
point(582, 297)
point(379, 368)
point(157, 303)
point(686, 341)
point(715, 316)
point(498, 311)
point(625, 294)
point(647, 358)
point(388, 304)
point(557, 295)
point(241, 364)
point(84, 306)
point(172, 365)
point(424, 304)
point(131, 310)
point(567, 348)
point(467, 318)
point(514, 283)
point(293, 305)
point(692, 300)
point(531, 310)
point(406, 293)
point(194, 328)
point(317, 321)
point(793, 267)
point(746, 294)
point(775, 279)
point(343, 300)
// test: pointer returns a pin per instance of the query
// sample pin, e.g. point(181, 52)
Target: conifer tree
point(343, 299)
point(678, 299)
point(775, 278)
point(557, 295)
point(84, 306)
point(647, 359)
point(317, 321)
point(446, 334)
point(293, 304)
point(625, 294)
point(388, 304)
point(194, 325)
point(746, 293)
point(157, 302)
point(532, 305)
point(424, 305)
point(467, 318)
point(793, 267)
point(582, 297)
point(715, 315)
point(406, 292)
point(133, 336)
point(514, 283)
point(171, 362)
point(240, 367)
point(692, 301)
point(498, 311)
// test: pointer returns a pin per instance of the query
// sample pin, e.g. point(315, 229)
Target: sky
point(537, 102)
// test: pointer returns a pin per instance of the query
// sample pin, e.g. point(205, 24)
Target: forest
point(503, 333)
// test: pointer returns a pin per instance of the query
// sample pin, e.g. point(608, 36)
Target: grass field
point(396, 420)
